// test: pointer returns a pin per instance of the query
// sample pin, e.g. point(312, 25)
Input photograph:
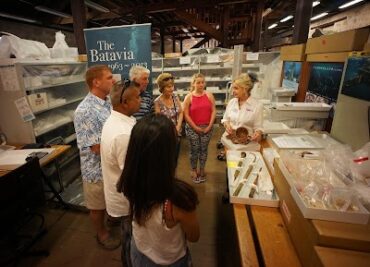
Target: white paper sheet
point(288, 141)
point(18, 157)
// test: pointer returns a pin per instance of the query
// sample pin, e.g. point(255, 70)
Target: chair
point(21, 194)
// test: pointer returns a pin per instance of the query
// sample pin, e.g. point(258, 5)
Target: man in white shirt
point(125, 98)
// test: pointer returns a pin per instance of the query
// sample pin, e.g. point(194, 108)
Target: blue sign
point(120, 47)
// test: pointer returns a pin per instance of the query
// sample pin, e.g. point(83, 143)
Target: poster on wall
point(324, 82)
point(292, 74)
point(356, 82)
point(120, 47)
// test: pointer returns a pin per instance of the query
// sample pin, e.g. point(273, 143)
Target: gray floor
point(71, 238)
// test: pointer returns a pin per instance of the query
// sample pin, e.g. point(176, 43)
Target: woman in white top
point(244, 110)
point(162, 207)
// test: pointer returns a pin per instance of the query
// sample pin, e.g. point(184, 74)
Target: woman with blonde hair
point(200, 113)
point(168, 104)
point(244, 110)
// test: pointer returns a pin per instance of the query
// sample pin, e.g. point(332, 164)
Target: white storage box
point(249, 180)
point(360, 217)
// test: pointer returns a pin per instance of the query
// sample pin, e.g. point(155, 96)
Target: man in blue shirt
point(89, 119)
point(140, 75)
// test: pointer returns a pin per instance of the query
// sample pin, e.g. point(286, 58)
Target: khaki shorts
point(94, 195)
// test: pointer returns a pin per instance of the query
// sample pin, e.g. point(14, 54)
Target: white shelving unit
point(217, 71)
point(58, 86)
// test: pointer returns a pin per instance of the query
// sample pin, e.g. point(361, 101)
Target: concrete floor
point(71, 238)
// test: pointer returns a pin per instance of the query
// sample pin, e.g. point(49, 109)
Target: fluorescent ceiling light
point(52, 11)
point(272, 26)
point(266, 12)
point(319, 16)
point(315, 3)
point(96, 6)
point(9, 16)
point(286, 18)
point(350, 3)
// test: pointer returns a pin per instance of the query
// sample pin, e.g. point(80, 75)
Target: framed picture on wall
point(324, 82)
point(356, 82)
point(292, 74)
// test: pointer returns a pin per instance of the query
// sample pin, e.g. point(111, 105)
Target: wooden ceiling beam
point(160, 8)
point(201, 42)
point(200, 25)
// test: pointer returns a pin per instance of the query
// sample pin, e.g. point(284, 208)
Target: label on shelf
point(185, 60)
point(24, 109)
point(252, 56)
point(213, 58)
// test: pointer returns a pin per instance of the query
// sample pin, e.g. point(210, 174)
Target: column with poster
point(120, 47)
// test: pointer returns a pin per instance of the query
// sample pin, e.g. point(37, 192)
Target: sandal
point(221, 156)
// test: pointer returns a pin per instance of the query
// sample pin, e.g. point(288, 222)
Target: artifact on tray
point(239, 136)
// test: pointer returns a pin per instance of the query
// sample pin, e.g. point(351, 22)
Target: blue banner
point(120, 47)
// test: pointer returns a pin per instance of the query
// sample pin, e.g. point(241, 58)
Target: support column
point(258, 26)
point(173, 44)
point(302, 19)
point(79, 23)
point(161, 31)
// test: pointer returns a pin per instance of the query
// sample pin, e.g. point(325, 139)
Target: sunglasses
point(168, 78)
point(125, 84)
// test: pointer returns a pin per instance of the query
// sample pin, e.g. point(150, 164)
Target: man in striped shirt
point(140, 75)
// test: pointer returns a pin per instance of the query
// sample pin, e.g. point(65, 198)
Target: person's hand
point(257, 136)
point(178, 129)
point(95, 149)
point(228, 129)
point(207, 129)
point(198, 130)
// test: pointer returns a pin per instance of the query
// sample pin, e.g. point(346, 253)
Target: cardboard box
point(307, 233)
point(328, 57)
point(338, 42)
point(330, 257)
point(293, 52)
point(82, 58)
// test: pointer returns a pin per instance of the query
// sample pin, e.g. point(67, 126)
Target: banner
point(120, 47)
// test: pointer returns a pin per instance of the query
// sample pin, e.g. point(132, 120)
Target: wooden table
point(51, 158)
point(261, 232)
point(262, 236)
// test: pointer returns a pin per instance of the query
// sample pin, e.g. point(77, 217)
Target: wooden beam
point(162, 40)
point(79, 18)
point(302, 21)
point(202, 42)
point(225, 26)
point(173, 44)
point(258, 26)
point(201, 26)
point(244, 41)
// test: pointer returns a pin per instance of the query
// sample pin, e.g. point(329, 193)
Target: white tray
point(263, 197)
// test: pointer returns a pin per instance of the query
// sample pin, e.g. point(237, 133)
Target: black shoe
point(225, 198)
point(219, 145)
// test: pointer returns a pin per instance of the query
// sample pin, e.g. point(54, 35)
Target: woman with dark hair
point(162, 207)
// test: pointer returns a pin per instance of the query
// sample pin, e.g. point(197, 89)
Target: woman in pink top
point(200, 113)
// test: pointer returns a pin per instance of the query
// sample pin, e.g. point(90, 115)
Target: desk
point(52, 157)
point(48, 159)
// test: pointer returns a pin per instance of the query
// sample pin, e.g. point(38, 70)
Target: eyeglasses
point(125, 84)
point(168, 78)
